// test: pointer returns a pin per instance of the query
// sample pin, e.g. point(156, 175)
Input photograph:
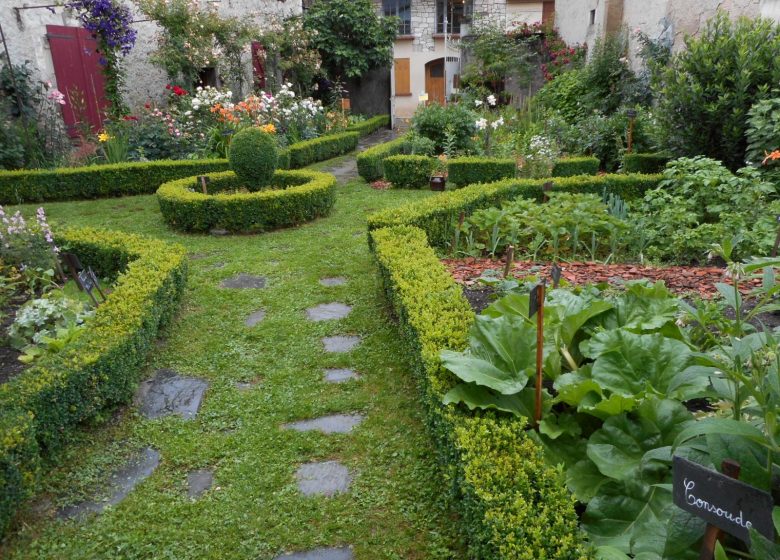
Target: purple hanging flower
point(109, 22)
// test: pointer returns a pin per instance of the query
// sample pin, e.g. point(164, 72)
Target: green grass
point(395, 508)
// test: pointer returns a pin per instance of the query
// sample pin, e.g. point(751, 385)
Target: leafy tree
point(708, 89)
point(496, 55)
point(351, 37)
point(290, 55)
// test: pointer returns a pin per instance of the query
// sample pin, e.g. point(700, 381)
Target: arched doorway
point(434, 81)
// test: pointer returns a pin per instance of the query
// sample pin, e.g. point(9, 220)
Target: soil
point(683, 280)
point(479, 298)
point(10, 366)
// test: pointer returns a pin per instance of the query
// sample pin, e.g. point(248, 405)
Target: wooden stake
point(204, 181)
point(510, 256)
point(547, 187)
point(713, 534)
point(539, 352)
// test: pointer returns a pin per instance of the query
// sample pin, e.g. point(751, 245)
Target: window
point(402, 9)
point(455, 12)
point(593, 17)
point(402, 81)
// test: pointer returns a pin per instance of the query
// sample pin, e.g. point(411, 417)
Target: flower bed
point(512, 504)
point(298, 196)
point(40, 407)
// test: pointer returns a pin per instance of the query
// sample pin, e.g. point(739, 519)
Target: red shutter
point(79, 76)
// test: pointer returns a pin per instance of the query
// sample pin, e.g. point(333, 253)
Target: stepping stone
point(335, 375)
point(246, 385)
point(328, 311)
point(323, 479)
point(218, 232)
point(244, 281)
point(342, 553)
point(334, 281)
point(198, 256)
point(255, 318)
point(334, 424)
point(340, 343)
point(168, 393)
point(120, 484)
point(198, 482)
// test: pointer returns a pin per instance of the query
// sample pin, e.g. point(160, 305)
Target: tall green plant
point(707, 90)
point(351, 37)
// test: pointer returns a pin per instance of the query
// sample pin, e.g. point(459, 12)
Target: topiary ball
point(253, 157)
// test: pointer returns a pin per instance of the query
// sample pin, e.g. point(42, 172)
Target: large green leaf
point(475, 396)
point(584, 480)
point(683, 531)
point(572, 311)
point(644, 308)
point(619, 448)
point(628, 364)
point(627, 513)
point(752, 457)
point(723, 426)
point(502, 354)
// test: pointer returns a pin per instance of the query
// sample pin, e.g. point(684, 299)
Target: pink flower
point(56, 96)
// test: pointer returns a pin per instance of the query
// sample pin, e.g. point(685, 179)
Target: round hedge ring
point(295, 197)
point(253, 157)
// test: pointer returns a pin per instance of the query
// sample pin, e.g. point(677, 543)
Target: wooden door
point(434, 81)
point(548, 12)
point(79, 76)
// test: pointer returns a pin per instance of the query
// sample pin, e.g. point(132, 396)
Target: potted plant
point(439, 173)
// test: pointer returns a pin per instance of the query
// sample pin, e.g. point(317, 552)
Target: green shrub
point(40, 407)
point(368, 126)
point(296, 197)
point(434, 121)
point(644, 163)
point(438, 215)
point(467, 170)
point(409, 172)
point(581, 165)
point(98, 181)
point(369, 162)
point(512, 505)
point(322, 148)
point(706, 92)
point(763, 134)
point(564, 94)
point(253, 157)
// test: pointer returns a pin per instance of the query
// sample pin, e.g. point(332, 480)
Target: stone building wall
point(25, 32)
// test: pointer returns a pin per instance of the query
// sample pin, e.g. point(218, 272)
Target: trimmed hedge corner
point(370, 125)
point(580, 165)
point(409, 172)
point(39, 408)
point(298, 197)
point(370, 162)
point(322, 148)
point(645, 163)
point(512, 504)
point(469, 170)
point(438, 215)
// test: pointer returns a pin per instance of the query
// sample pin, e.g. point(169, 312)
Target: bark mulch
point(684, 280)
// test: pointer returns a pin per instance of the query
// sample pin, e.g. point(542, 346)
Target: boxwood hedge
point(580, 165)
point(409, 172)
point(297, 197)
point(469, 170)
point(645, 163)
point(40, 407)
point(370, 161)
point(437, 215)
point(125, 179)
point(512, 504)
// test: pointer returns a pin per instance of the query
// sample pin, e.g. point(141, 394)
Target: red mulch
point(381, 185)
point(679, 279)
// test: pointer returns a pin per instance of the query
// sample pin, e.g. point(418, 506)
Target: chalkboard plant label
point(726, 503)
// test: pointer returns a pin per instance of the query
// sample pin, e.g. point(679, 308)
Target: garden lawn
point(395, 507)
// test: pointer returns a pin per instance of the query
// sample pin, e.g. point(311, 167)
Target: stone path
point(120, 484)
point(169, 397)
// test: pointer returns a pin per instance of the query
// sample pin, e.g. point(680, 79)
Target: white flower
point(478, 102)
point(491, 99)
point(623, 60)
point(495, 124)
point(481, 124)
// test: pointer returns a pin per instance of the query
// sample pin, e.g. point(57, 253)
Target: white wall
point(519, 12)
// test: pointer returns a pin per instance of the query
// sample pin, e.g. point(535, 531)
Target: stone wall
point(26, 37)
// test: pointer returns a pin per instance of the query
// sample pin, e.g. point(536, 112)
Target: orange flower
point(773, 156)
